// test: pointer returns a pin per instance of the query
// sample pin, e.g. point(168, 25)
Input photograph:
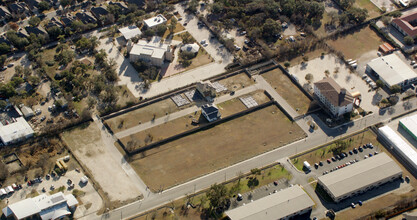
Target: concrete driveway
point(203, 33)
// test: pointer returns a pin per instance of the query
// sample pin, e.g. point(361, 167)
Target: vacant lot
point(162, 131)
point(373, 11)
point(234, 106)
point(236, 82)
point(215, 148)
point(86, 143)
point(357, 42)
point(142, 115)
point(202, 58)
point(286, 88)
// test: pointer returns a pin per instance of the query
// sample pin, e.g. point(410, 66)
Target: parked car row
point(10, 189)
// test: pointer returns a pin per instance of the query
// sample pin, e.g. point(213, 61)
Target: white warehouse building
point(15, 131)
point(391, 70)
point(360, 177)
point(285, 204)
point(407, 152)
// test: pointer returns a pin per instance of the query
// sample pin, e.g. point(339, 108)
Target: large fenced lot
point(212, 149)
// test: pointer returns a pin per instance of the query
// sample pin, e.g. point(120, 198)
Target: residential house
point(155, 21)
point(335, 98)
point(54, 22)
point(210, 112)
point(86, 17)
point(206, 90)
point(100, 13)
point(33, 5)
point(35, 30)
point(67, 20)
point(5, 15)
point(19, 10)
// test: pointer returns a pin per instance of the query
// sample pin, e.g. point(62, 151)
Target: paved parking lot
point(91, 197)
point(340, 73)
point(259, 193)
point(355, 156)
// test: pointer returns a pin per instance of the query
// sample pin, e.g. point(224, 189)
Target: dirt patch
point(87, 144)
point(287, 90)
point(142, 115)
point(356, 42)
point(215, 148)
point(236, 82)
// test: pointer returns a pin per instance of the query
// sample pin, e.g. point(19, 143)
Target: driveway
point(203, 33)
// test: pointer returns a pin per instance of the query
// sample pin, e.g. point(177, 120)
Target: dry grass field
point(234, 106)
point(236, 82)
point(215, 148)
point(142, 115)
point(163, 131)
point(285, 88)
point(357, 42)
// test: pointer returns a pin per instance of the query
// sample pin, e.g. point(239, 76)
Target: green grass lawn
point(267, 176)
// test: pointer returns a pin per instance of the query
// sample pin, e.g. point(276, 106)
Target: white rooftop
point(152, 48)
point(130, 31)
point(48, 207)
point(392, 69)
point(191, 48)
point(152, 22)
point(15, 130)
point(361, 174)
point(410, 123)
point(275, 206)
point(400, 145)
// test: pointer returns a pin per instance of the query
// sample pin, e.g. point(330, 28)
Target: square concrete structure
point(392, 70)
point(284, 204)
point(210, 112)
point(155, 21)
point(154, 52)
point(335, 98)
point(360, 177)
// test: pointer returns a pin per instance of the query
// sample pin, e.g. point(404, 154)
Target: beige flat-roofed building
point(360, 177)
point(284, 204)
